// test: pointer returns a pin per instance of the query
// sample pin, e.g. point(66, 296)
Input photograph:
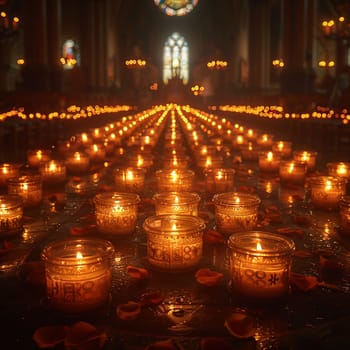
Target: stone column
point(35, 69)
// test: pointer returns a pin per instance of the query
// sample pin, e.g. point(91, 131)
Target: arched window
point(70, 54)
point(175, 59)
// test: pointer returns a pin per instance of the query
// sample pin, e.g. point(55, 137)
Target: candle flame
point(305, 156)
point(176, 199)
point(39, 154)
point(280, 145)
point(52, 166)
point(129, 175)
point(269, 156)
point(95, 148)
point(258, 246)
point(342, 169)
point(77, 156)
point(174, 175)
point(174, 227)
point(79, 255)
point(237, 200)
point(291, 168)
point(328, 186)
point(219, 175)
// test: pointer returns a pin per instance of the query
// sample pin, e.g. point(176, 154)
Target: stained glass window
point(175, 59)
point(70, 54)
point(176, 7)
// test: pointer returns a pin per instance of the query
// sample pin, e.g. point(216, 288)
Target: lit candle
point(11, 215)
point(78, 274)
point(260, 265)
point(307, 157)
point(185, 203)
point(29, 187)
point(292, 172)
point(116, 212)
point(249, 152)
point(207, 162)
point(283, 148)
point(77, 163)
point(53, 172)
point(7, 171)
point(36, 157)
point(339, 169)
point(96, 152)
point(169, 180)
point(235, 211)
point(326, 191)
point(269, 162)
point(129, 180)
point(219, 180)
point(265, 140)
point(174, 242)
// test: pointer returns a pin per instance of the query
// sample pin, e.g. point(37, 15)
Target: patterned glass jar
point(169, 180)
point(174, 242)
point(260, 265)
point(11, 215)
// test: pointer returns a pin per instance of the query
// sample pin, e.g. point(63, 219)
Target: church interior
point(175, 174)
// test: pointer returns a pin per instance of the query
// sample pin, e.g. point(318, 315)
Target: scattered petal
point(303, 254)
point(215, 344)
point(137, 272)
point(162, 345)
point(290, 231)
point(302, 220)
point(128, 311)
point(240, 325)
point(105, 188)
point(330, 265)
point(49, 336)
point(152, 298)
point(213, 237)
point(303, 282)
point(82, 230)
point(208, 277)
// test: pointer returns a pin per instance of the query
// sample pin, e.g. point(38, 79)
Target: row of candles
point(175, 232)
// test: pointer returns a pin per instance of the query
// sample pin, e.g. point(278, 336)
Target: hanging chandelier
point(176, 7)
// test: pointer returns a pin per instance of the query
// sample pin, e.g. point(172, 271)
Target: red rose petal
point(137, 272)
point(240, 325)
point(303, 282)
point(49, 336)
point(208, 277)
point(128, 311)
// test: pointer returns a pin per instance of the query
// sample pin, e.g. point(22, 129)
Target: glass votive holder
point(235, 211)
point(77, 163)
point(36, 157)
point(260, 264)
point(116, 212)
point(269, 162)
point(182, 203)
point(53, 172)
point(28, 187)
point(283, 148)
point(174, 242)
point(265, 140)
point(174, 180)
point(344, 205)
point(207, 162)
point(339, 169)
point(129, 180)
point(218, 180)
point(96, 153)
point(11, 215)
point(307, 157)
point(7, 171)
point(78, 274)
point(175, 162)
point(250, 152)
point(144, 161)
point(326, 191)
point(292, 173)
point(238, 141)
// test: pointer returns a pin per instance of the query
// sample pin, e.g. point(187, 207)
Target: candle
point(7, 171)
point(249, 152)
point(219, 180)
point(307, 157)
point(265, 140)
point(96, 153)
point(11, 215)
point(339, 169)
point(185, 203)
point(283, 148)
point(36, 157)
point(269, 162)
point(175, 162)
point(292, 172)
point(129, 180)
point(235, 211)
point(77, 163)
point(170, 180)
point(267, 187)
point(53, 172)
point(144, 161)
point(29, 187)
point(78, 274)
point(238, 141)
point(174, 242)
point(344, 205)
point(326, 191)
point(260, 265)
point(116, 212)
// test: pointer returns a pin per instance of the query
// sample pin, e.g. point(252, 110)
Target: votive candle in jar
point(283, 148)
point(116, 212)
point(307, 157)
point(326, 191)
point(292, 172)
point(260, 264)
point(344, 205)
point(174, 242)
point(219, 180)
point(172, 180)
point(96, 153)
point(77, 163)
point(265, 140)
point(11, 215)
point(249, 152)
point(129, 180)
point(235, 211)
point(184, 203)
point(269, 162)
point(53, 172)
point(78, 274)
point(36, 157)
point(339, 169)
point(29, 187)
point(207, 162)
point(175, 162)
point(7, 171)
